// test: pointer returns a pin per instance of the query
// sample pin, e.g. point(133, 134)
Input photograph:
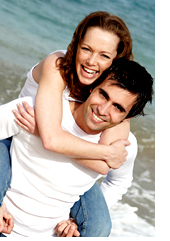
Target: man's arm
point(114, 185)
point(118, 181)
point(8, 126)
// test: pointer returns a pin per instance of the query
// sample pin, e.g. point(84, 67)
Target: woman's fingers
point(29, 109)
point(25, 117)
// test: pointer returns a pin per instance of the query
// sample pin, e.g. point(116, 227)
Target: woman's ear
point(91, 89)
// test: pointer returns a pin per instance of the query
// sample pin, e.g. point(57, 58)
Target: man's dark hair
point(130, 76)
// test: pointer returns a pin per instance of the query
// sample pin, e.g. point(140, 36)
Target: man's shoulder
point(13, 104)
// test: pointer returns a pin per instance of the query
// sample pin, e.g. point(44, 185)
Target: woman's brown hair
point(106, 22)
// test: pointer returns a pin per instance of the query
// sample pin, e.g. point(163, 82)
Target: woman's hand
point(25, 118)
point(120, 154)
point(116, 137)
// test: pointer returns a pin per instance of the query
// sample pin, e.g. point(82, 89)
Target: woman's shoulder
point(49, 62)
point(58, 52)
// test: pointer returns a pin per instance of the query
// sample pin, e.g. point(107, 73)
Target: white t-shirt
point(117, 181)
point(45, 184)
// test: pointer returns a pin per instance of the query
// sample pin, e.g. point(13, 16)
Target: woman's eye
point(106, 56)
point(86, 49)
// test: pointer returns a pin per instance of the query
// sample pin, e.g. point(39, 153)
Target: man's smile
point(96, 118)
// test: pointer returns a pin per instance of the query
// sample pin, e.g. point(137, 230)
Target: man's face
point(106, 107)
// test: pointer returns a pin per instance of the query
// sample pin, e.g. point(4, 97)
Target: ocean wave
point(126, 223)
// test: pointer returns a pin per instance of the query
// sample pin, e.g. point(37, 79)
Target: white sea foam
point(126, 223)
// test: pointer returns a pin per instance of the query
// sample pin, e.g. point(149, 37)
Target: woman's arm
point(48, 109)
point(118, 132)
point(112, 136)
point(26, 119)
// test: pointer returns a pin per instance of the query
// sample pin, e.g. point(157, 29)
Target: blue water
point(30, 30)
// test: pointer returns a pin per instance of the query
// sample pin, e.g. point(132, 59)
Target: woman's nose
point(92, 60)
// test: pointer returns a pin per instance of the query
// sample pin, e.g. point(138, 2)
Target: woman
point(98, 39)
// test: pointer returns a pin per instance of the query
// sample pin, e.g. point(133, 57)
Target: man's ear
point(128, 118)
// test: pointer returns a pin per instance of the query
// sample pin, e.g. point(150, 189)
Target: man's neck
point(77, 110)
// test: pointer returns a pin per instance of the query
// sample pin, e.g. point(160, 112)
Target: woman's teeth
point(89, 71)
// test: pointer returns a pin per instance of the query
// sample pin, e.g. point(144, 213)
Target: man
point(45, 185)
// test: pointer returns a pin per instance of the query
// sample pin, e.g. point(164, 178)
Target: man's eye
point(119, 108)
point(101, 92)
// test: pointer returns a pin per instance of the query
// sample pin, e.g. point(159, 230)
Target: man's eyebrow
point(104, 93)
point(120, 107)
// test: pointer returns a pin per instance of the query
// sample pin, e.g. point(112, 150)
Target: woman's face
point(95, 53)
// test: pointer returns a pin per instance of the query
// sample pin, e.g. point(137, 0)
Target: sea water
point(30, 30)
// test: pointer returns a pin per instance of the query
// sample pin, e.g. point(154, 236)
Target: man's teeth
point(89, 71)
point(96, 117)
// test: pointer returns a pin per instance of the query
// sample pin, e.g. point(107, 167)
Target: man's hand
point(67, 229)
point(120, 154)
point(6, 221)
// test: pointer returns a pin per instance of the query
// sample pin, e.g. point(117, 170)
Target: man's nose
point(104, 109)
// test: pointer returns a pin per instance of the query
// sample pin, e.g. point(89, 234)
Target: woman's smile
point(89, 73)
point(95, 53)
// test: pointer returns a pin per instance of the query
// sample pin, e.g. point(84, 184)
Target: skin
point(67, 229)
point(6, 220)
point(92, 59)
point(51, 86)
point(103, 109)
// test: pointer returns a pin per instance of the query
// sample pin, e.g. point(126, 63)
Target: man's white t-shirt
point(45, 185)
